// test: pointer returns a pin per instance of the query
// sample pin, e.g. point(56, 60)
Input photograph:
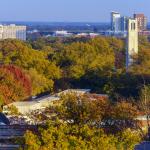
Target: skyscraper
point(115, 21)
point(142, 21)
point(124, 23)
point(132, 41)
point(118, 22)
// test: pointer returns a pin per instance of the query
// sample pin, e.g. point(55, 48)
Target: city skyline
point(69, 11)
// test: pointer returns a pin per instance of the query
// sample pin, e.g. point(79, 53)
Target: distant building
point(87, 35)
point(144, 33)
point(132, 41)
point(93, 35)
point(115, 21)
point(12, 32)
point(119, 34)
point(119, 25)
point(142, 21)
point(62, 33)
point(124, 23)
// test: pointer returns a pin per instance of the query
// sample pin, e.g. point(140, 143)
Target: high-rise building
point(12, 32)
point(115, 21)
point(142, 21)
point(132, 41)
point(124, 23)
point(118, 22)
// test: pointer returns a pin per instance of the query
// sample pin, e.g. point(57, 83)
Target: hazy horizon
point(69, 11)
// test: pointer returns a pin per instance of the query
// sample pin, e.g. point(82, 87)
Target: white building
point(132, 42)
point(62, 33)
point(12, 32)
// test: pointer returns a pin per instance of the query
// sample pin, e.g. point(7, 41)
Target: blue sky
point(69, 10)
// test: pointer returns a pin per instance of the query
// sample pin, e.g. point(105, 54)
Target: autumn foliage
point(81, 123)
point(15, 85)
point(19, 76)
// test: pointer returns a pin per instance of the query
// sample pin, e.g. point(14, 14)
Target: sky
point(69, 10)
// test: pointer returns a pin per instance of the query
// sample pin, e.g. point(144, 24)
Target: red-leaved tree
point(15, 84)
point(20, 76)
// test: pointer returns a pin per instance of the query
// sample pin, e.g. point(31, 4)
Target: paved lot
point(143, 146)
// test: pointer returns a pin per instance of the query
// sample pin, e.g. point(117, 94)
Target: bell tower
point(132, 42)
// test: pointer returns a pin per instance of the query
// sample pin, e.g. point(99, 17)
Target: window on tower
point(134, 25)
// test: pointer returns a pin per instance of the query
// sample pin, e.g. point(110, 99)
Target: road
point(8, 147)
point(9, 132)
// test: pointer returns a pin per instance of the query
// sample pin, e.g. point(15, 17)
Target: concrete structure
point(143, 121)
point(132, 42)
point(41, 103)
point(29, 106)
point(76, 91)
point(142, 21)
point(12, 32)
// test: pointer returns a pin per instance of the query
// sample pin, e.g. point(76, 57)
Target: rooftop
point(42, 102)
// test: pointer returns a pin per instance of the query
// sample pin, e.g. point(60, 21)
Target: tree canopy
point(55, 64)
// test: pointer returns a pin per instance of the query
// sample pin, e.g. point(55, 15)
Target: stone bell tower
point(132, 42)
